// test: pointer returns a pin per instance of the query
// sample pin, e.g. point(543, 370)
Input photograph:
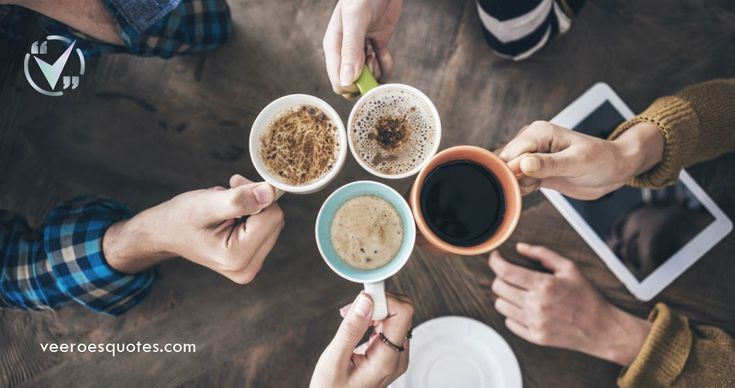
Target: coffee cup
point(469, 176)
point(272, 112)
point(393, 129)
point(373, 279)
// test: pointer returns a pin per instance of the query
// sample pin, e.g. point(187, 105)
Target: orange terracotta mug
point(510, 190)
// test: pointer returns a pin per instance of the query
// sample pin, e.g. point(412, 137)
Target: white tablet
point(646, 237)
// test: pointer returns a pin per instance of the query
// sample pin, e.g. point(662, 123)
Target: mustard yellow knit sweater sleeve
point(679, 354)
point(698, 123)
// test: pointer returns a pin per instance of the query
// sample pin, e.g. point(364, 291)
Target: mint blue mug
point(372, 279)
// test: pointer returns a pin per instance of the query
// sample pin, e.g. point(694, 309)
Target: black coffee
point(462, 203)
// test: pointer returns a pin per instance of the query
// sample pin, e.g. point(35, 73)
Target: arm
point(64, 261)
point(697, 124)
point(562, 309)
point(87, 16)
point(681, 354)
point(648, 150)
point(90, 252)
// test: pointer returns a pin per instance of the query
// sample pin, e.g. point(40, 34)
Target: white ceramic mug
point(372, 279)
point(268, 114)
point(369, 88)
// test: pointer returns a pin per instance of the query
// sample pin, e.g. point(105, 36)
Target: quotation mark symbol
point(74, 80)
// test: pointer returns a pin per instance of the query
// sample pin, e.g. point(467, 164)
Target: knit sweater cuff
point(675, 118)
point(664, 353)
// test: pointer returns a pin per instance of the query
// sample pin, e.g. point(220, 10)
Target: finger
point(559, 164)
point(510, 310)
point(224, 226)
point(513, 274)
point(385, 59)
point(401, 297)
point(343, 311)
point(539, 136)
point(402, 363)
point(548, 258)
point(354, 27)
point(518, 329)
point(332, 45)
point(250, 243)
point(528, 185)
point(239, 180)
point(394, 329)
point(373, 65)
point(261, 253)
point(517, 147)
point(509, 292)
point(239, 201)
point(352, 328)
point(218, 188)
point(528, 189)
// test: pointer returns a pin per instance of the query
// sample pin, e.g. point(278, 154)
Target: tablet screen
point(643, 227)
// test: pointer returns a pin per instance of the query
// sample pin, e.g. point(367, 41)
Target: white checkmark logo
point(53, 72)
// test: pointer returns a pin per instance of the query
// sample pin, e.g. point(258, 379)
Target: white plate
point(459, 352)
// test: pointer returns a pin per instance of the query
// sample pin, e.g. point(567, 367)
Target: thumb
point(356, 322)
point(542, 166)
point(354, 28)
point(242, 200)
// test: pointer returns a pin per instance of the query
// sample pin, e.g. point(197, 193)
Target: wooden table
point(142, 130)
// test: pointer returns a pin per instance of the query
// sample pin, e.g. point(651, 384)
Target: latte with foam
point(367, 232)
point(394, 131)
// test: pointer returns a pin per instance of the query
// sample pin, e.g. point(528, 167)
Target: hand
point(578, 165)
point(562, 309)
point(204, 227)
point(372, 364)
point(358, 27)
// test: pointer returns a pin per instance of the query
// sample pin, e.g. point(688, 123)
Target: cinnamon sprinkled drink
point(300, 145)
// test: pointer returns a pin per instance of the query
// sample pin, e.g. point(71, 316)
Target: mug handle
point(279, 194)
point(376, 291)
point(366, 81)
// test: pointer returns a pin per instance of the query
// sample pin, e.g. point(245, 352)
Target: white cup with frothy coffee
point(298, 144)
point(393, 129)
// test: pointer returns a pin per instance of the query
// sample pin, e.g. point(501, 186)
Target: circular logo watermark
point(53, 61)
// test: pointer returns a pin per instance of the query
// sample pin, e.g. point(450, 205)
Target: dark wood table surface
point(141, 130)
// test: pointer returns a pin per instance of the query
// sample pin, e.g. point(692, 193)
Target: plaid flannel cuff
point(26, 280)
point(192, 26)
point(72, 241)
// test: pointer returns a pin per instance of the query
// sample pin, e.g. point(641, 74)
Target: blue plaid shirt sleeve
point(63, 261)
point(164, 28)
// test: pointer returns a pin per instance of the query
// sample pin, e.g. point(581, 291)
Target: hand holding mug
point(358, 27)
point(562, 309)
point(579, 165)
point(374, 363)
point(205, 227)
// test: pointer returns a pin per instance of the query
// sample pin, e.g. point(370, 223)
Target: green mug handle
point(366, 81)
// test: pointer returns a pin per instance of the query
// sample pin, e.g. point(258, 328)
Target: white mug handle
point(377, 293)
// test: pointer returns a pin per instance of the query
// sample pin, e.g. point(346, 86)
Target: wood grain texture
point(143, 129)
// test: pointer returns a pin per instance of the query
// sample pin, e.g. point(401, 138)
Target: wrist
point(128, 246)
point(624, 338)
point(639, 148)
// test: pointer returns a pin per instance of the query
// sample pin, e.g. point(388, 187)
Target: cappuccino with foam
point(394, 130)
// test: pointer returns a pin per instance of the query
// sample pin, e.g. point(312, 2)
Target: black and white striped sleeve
point(516, 29)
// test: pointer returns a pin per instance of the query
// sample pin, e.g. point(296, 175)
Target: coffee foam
point(367, 232)
point(413, 151)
